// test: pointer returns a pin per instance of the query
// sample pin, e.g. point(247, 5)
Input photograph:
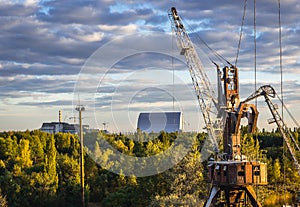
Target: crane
point(268, 92)
point(233, 175)
point(210, 107)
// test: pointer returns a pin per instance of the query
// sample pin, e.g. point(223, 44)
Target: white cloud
point(96, 36)
point(114, 28)
point(31, 2)
point(44, 51)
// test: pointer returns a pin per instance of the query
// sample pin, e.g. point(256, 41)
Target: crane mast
point(204, 91)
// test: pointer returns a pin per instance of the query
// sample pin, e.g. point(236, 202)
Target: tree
point(97, 152)
point(186, 182)
point(69, 181)
point(50, 165)
point(250, 147)
point(24, 157)
point(37, 151)
point(8, 148)
point(3, 202)
point(276, 171)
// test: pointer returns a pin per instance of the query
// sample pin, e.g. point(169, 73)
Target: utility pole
point(80, 108)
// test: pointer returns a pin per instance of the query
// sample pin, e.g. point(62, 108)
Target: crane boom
point(205, 94)
point(293, 147)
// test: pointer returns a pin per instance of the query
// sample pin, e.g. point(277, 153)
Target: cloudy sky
point(120, 58)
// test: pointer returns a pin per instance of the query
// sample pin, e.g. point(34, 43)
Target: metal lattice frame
point(204, 91)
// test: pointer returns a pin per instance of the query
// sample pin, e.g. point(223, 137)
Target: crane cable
point(287, 110)
point(173, 71)
point(214, 52)
point(241, 33)
point(255, 72)
point(280, 54)
point(255, 50)
point(281, 90)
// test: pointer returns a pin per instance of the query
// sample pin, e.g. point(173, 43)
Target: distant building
point(158, 121)
point(55, 127)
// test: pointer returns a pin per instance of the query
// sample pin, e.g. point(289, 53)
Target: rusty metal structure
point(231, 175)
point(268, 92)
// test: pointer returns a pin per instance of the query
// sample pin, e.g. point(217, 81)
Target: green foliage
point(24, 158)
point(250, 147)
point(29, 168)
point(276, 171)
point(41, 169)
point(3, 202)
point(8, 148)
point(270, 139)
point(186, 182)
point(124, 197)
point(67, 144)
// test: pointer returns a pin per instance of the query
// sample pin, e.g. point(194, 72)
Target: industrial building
point(56, 127)
point(160, 121)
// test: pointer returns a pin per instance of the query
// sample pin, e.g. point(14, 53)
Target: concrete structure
point(158, 121)
point(56, 127)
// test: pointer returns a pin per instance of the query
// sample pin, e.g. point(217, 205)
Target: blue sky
point(47, 47)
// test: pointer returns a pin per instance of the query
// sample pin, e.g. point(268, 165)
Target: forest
point(41, 169)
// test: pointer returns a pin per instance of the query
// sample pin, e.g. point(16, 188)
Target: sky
point(119, 58)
